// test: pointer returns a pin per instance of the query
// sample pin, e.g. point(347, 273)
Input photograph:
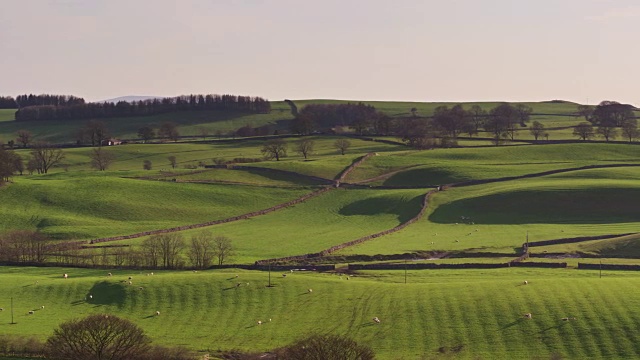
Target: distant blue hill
point(130, 98)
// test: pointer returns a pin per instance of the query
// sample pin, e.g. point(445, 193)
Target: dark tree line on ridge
point(20, 101)
point(441, 129)
point(81, 110)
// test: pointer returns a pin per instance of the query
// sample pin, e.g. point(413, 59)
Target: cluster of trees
point(10, 163)
point(83, 110)
point(168, 251)
point(24, 246)
point(441, 129)
point(322, 116)
point(43, 156)
point(605, 119)
point(8, 102)
point(277, 148)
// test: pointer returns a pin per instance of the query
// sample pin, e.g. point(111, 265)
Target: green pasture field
point(502, 214)
point(7, 114)
point(471, 314)
point(85, 205)
point(130, 157)
point(319, 223)
point(189, 124)
point(251, 176)
point(442, 166)
point(624, 246)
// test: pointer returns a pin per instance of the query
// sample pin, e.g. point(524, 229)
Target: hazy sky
point(430, 50)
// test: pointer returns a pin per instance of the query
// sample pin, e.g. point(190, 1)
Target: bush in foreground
point(326, 347)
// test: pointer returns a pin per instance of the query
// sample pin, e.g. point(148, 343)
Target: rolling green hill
point(475, 314)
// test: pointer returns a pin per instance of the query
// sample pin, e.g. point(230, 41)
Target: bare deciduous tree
point(169, 130)
point(146, 165)
point(537, 129)
point(24, 137)
point(584, 131)
point(223, 249)
point(305, 147)
point(607, 132)
point(171, 245)
point(274, 149)
point(630, 129)
point(204, 132)
point(202, 250)
point(342, 145)
point(98, 336)
point(46, 156)
point(172, 161)
point(101, 159)
point(151, 250)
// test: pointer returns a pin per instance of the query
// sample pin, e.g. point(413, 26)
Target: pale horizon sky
point(406, 50)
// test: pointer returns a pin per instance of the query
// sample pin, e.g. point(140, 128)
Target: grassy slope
point(452, 165)
point(89, 205)
point(478, 311)
point(7, 114)
point(317, 224)
point(624, 246)
point(130, 157)
point(188, 123)
point(503, 213)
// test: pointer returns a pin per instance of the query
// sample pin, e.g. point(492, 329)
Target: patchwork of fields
point(522, 193)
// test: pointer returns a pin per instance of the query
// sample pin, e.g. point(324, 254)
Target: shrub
point(98, 336)
point(326, 347)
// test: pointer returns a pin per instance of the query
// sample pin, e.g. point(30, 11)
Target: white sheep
point(90, 296)
point(284, 275)
point(310, 291)
point(376, 320)
point(31, 312)
point(130, 282)
point(157, 313)
point(259, 322)
point(1, 309)
point(65, 276)
point(525, 282)
point(141, 288)
point(527, 316)
point(109, 274)
point(130, 278)
point(42, 307)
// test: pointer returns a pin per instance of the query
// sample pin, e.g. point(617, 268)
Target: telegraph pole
point(12, 322)
point(405, 271)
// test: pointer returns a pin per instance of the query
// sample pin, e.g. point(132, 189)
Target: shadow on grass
point(557, 326)
point(535, 206)
point(511, 324)
point(384, 205)
point(105, 293)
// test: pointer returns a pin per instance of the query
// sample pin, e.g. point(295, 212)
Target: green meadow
point(467, 314)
